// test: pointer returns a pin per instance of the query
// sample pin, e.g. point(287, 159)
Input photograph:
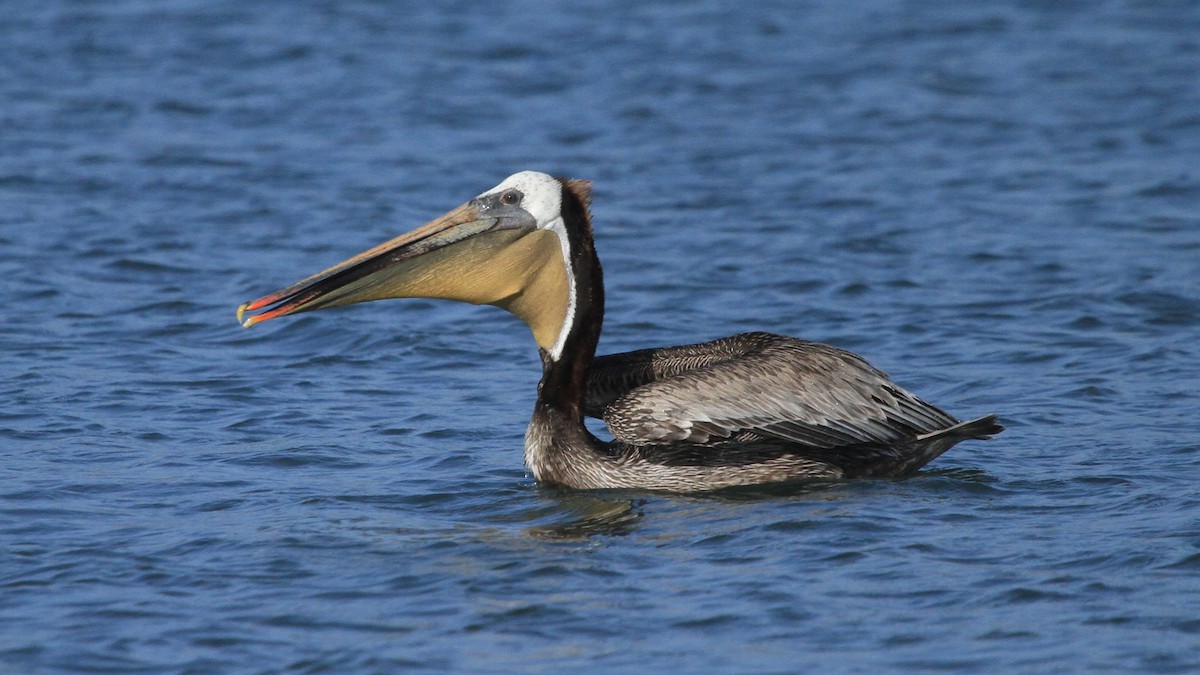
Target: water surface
point(996, 203)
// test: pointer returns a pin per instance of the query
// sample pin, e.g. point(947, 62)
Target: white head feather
point(543, 195)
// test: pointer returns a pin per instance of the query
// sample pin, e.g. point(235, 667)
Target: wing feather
point(774, 386)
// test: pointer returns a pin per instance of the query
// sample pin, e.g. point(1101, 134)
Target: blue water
point(996, 202)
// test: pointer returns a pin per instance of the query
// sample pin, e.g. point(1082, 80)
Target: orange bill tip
point(262, 316)
point(255, 305)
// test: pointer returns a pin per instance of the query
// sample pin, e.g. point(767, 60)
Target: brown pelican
point(748, 409)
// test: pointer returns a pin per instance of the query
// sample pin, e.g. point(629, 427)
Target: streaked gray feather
point(803, 392)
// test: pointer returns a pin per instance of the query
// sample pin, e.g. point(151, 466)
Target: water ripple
point(993, 202)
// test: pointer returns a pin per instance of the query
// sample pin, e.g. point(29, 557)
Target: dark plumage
point(754, 408)
point(759, 395)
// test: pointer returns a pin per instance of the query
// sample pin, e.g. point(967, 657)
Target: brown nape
point(582, 189)
point(563, 377)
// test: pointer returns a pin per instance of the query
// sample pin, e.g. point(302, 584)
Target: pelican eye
point(511, 198)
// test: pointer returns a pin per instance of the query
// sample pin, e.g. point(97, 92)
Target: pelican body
point(749, 409)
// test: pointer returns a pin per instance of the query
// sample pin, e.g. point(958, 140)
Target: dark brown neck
point(564, 378)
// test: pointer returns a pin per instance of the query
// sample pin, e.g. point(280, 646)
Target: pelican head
point(507, 247)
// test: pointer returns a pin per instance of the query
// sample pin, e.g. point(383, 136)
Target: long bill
point(472, 254)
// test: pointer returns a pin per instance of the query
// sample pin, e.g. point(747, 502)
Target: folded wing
point(754, 384)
